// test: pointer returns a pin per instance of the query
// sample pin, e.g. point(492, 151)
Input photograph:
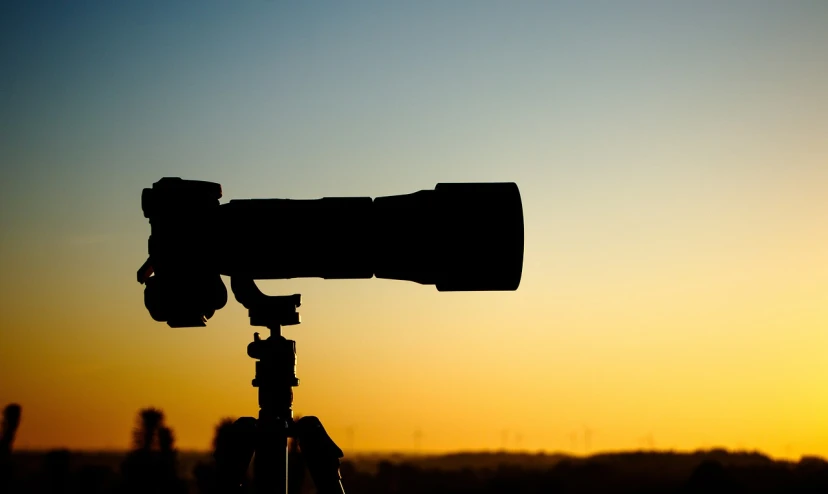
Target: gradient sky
point(673, 163)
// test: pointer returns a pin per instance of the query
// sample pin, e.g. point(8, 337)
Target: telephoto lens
point(458, 237)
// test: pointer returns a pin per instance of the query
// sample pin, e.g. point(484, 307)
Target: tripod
point(266, 440)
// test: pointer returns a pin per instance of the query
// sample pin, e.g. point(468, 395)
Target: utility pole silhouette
point(587, 439)
point(647, 442)
point(418, 438)
point(350, 434)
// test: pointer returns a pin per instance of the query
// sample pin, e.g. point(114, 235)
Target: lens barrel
point(459, 237)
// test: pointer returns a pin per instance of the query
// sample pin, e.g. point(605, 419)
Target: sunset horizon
point(672, 164)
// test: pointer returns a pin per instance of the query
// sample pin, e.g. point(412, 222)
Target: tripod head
point(276, 365)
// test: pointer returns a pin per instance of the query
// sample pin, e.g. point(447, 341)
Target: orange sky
point(674, 172)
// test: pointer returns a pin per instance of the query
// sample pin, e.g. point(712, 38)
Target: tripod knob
point(276, 361)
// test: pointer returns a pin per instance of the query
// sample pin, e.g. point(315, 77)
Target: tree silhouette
point(152, 465)
point(8, 430)
point(223, 444)
point(145, 433)
point(11, 421)
point(223, 436)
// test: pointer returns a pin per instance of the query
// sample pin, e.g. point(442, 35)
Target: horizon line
point(495, 451)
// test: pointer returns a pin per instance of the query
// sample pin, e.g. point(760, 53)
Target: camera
point(458, 237)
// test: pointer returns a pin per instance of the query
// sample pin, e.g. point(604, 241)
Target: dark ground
point(634, 472)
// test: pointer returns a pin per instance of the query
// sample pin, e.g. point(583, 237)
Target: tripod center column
point(275, 379)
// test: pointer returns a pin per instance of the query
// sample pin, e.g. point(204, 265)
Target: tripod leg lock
point(321, 455)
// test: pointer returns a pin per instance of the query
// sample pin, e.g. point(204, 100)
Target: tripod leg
point(233, 454)
point(321, 455)
point(270, 460)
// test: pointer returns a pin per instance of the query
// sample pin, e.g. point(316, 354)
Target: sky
point(673, 167)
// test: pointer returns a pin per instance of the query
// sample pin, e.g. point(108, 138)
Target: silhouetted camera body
point(459, 237)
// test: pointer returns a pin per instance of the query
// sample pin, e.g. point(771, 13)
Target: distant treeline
point(153, 465)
